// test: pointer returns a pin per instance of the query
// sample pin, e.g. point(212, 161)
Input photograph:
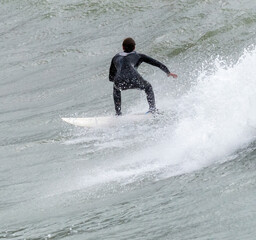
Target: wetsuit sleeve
point(152, 61)
point(112, 71)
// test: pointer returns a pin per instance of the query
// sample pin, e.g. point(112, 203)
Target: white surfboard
point(108, 121)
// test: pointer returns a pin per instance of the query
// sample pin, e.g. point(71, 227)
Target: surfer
point(123, 72)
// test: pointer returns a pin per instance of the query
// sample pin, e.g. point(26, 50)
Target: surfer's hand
point(173, 75)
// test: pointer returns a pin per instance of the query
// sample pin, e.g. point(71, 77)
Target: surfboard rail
point(92, 122)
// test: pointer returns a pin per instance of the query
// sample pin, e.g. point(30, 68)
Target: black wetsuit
point(123, 72)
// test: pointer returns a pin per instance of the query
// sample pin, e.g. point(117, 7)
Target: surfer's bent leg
point(150, 96)
point(142, 84)
point(117, 100)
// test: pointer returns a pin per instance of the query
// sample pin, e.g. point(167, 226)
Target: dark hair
point(128, 45)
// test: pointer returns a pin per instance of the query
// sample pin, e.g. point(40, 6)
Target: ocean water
point(188, 175)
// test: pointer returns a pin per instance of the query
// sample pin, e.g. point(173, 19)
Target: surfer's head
point(128, 45)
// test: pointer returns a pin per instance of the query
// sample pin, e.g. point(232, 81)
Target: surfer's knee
point(116, 92)
point(148, 87)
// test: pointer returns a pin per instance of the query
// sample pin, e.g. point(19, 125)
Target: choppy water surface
point(188, 175)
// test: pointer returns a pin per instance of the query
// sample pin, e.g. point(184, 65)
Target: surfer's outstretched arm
point(154, 62)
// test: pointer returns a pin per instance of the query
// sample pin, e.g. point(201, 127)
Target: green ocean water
point(188, 175)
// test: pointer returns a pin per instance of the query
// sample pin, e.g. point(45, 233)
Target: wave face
point(189, 174)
